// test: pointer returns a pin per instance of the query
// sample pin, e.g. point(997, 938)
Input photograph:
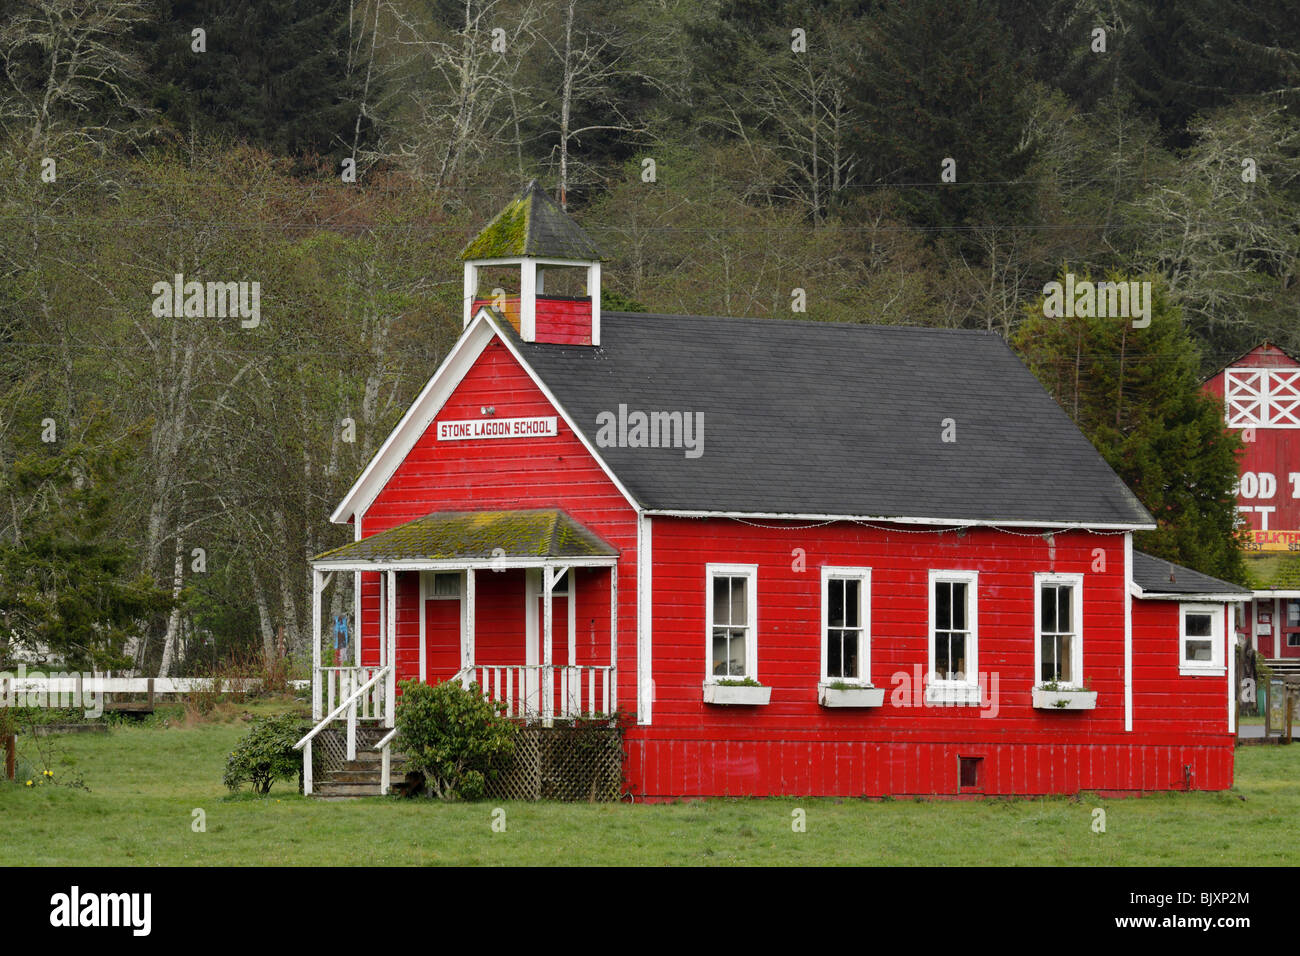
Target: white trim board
point(461, 564)
point(954, 523)
point(1129, 587)
point(1215, 598)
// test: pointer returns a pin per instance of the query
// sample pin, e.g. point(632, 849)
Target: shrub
point(454, 737)
point(265, 754)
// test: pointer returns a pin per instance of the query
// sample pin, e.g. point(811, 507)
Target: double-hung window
point(954, 636)
point(1058, 609)
point(1201, 639)
point(846, 625)
point(732, 618)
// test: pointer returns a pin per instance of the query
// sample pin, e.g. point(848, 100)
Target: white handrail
point(337, 711)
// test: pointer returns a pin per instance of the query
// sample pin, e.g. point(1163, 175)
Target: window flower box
point(847, 695)
point(750, 694)
point(1064, 699)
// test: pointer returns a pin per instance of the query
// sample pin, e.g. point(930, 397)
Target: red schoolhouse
point(805, 558)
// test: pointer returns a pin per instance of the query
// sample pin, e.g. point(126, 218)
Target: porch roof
point(514, 538)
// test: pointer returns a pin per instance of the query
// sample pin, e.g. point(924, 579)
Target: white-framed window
point(445, 585)
point(846, 625)
point(732, 600)
point(954, 636)
point(732, 611)
point(1201, 639)
point(1058, 648)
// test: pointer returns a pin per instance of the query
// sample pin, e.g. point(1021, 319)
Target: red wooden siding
point(559, 320)
point(1164, 700)
point(794, 745)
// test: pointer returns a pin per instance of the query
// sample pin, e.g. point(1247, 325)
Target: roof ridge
point(802, 323)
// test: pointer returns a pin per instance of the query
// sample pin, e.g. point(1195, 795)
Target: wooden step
point(346, 789)
point(358, 779)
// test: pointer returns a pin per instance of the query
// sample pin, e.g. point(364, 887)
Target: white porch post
point(381, 619)
point(528, 300)
point(391, 640)
point(471, 289)
point(593, 290)
point(548, 702)
point(613, 638)
point(316, 587)
point(467, 644)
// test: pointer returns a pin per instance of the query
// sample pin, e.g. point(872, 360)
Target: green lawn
point(146, 781)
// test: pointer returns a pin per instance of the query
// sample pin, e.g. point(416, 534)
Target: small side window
point(1201, 639)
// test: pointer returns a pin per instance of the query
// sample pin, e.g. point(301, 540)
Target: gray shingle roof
point(533, 224)
point(1164, 577)
point(837, 419)
point(474, 535)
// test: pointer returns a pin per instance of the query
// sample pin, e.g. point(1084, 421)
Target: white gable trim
point(473, 342)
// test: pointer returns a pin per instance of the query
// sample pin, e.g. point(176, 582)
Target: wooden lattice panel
point(563, 763)
point(332, 744)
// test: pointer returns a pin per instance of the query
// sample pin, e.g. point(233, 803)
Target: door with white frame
point(563, 651)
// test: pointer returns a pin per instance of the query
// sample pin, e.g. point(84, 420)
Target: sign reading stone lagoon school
point(543, 427)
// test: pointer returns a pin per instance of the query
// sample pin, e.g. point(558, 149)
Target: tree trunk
point(263, 617)
point(174, 618)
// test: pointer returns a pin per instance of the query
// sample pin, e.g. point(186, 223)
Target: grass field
point(146, 781)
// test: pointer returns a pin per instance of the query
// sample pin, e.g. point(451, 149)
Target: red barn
point(807, 558)
point(1260, 391)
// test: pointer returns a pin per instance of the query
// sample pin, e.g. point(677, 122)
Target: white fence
point(159, 686)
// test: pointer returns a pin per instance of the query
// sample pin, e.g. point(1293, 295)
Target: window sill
point(953, 695)
point(1188, 671)
point(1065, 699)
point(862, 696)
point(742, 695)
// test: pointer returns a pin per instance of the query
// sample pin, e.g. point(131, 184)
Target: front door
point(442, 625)
point(1264, 625)
point(562, 635)
point(1290, 612)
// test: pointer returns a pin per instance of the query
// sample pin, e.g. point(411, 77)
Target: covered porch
point(522, 603)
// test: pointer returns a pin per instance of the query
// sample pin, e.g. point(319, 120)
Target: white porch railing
point(537, 692)
point(338, 683)
point(359, 693)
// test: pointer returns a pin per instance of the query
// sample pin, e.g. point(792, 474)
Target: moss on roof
point(504, 237)
point(532, 224)
point(475, 535)
point(1279, 570)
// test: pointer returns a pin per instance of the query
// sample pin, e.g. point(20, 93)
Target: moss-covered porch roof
point(477, 536)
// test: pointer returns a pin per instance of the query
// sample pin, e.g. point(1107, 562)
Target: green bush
point(265, 754)
point(454, 737)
